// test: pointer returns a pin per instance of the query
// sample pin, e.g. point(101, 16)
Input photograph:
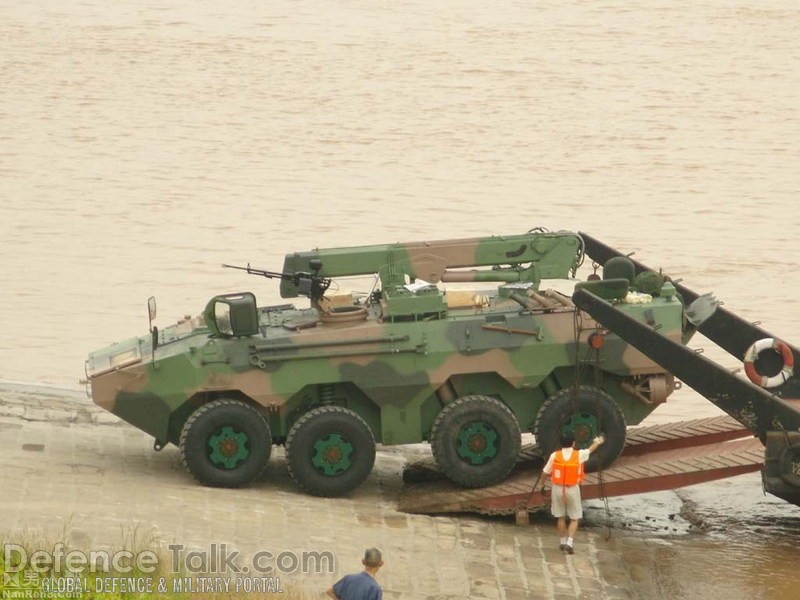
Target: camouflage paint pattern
point(396, 370)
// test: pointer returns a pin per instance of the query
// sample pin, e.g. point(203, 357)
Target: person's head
point(567, 440)
point(373, 560)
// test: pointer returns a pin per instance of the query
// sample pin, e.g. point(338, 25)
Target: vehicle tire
point(330, 451)
point(476, 441)
point(787, 464)
point(225, 443)
point(593, 413)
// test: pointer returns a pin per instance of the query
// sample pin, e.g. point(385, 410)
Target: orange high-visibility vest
point(567, 472)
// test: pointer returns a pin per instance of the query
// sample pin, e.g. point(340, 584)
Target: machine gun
point(309, 284)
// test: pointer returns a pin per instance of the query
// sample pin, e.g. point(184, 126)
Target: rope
point(598, 382)
point(577, 327)
point(598, 377)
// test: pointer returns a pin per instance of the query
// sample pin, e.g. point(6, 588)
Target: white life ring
point(752, 353)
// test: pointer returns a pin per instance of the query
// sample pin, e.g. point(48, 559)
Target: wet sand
point(96, 479)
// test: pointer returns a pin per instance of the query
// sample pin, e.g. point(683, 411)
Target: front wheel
point(584, 416)
point(225, 443)
point(475, 441)
point(330, 451)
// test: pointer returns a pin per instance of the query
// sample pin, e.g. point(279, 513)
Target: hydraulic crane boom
point(525, 258)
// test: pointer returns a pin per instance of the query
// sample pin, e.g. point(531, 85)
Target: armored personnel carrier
point(414, 360)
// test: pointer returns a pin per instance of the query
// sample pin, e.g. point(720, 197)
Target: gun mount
point(306, 283)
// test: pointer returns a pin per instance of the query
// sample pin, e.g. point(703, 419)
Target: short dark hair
point(372, 557)
point(567, 439)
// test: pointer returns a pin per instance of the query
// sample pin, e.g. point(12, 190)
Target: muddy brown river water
point(144, 143)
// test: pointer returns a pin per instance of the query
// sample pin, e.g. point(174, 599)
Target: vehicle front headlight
point(123, 359)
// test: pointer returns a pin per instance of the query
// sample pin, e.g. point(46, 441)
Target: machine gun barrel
point(262, 272)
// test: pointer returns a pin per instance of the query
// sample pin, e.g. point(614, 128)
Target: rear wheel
point(476, 441)
point(790, 465)
point(330, 451)
point(586, 416)
point(225, 443)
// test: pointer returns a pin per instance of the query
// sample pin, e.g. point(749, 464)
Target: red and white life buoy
point(752, 353)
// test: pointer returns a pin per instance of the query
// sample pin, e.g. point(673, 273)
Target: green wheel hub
point(228, 448)
point(476, 443)
point(584, 427)
point(332, 454)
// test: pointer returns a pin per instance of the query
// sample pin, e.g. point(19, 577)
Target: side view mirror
point(151, 316)
point(151, 310)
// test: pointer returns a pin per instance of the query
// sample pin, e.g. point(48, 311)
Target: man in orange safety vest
point(565, 468)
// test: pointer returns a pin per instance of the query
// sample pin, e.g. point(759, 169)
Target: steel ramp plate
point(683, 434)
point(657, 458)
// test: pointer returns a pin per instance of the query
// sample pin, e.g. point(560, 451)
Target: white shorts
point(566, 501)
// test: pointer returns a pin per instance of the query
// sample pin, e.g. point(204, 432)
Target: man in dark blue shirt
point(360, 586)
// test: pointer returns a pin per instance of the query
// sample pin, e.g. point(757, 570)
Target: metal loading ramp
point(655, 458)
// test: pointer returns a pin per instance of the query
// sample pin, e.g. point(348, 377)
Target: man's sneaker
point(563, 547)
point(569, 549)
